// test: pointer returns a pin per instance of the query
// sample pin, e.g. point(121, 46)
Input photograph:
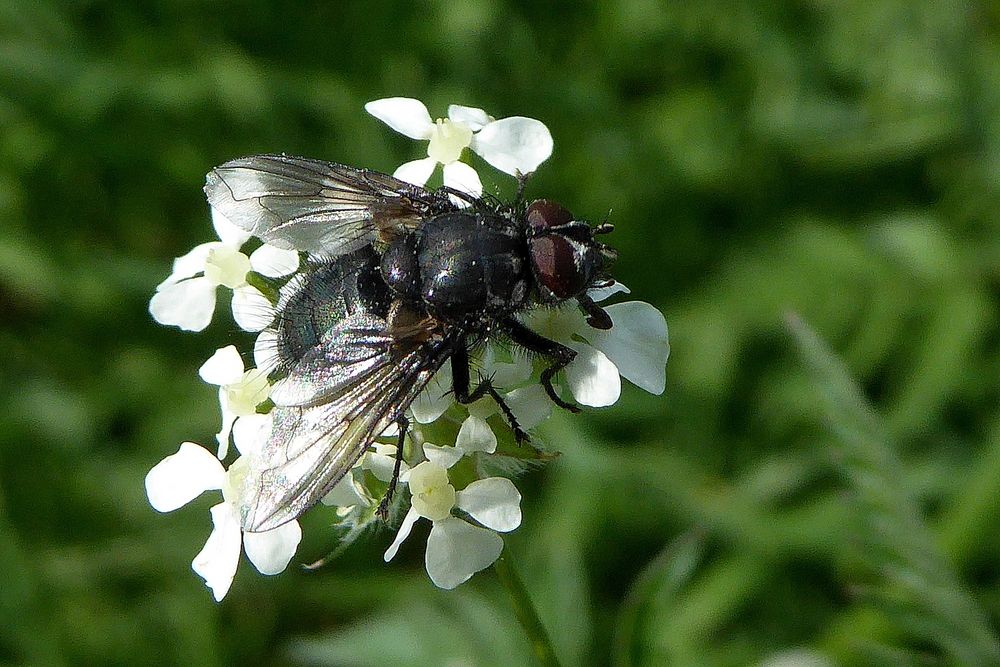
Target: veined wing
point(323, 208)
point(324, 423)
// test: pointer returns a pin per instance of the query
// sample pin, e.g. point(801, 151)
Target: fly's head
point(566, 258)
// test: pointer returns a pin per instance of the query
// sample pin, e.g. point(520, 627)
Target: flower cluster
point(462, 488)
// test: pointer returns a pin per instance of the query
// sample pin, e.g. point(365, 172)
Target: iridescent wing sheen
point(332, 404)
point(323, 208)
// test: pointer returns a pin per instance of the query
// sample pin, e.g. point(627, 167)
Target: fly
point(401, 280)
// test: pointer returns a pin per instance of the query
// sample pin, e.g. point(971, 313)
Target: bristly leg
point(383, 507)
point(460, 384)
point(559, 354)
point(460, 194)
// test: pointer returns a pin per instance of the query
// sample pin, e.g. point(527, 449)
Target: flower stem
point(525, 611)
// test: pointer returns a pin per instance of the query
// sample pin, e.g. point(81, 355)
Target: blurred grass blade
point(916, 588)
point(665, 575)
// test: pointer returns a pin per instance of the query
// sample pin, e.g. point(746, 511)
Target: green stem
point(525, 611)
point(269, 287)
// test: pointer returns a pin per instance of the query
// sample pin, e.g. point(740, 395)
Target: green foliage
point(779, 502)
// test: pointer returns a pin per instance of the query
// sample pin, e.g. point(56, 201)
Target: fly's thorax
point(460, 264)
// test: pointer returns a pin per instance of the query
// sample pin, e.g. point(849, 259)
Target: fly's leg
point(383, 507)
point(558, 354)
point(461, 388)
point(597, 317)
point(459, 194)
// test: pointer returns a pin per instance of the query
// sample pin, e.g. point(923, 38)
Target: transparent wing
point(323, 208)
point(329, 409)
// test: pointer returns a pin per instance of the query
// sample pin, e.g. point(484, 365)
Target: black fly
point(401, 280)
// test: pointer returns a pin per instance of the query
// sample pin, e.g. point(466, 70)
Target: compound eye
point(558, 265)
point(542, 214)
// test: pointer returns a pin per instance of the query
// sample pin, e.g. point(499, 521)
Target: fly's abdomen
point(316, 301)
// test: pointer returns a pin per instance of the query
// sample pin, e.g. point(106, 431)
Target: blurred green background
point(836, 160)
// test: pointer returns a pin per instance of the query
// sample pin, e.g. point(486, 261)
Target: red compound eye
point(542, 214)
point(557, 266)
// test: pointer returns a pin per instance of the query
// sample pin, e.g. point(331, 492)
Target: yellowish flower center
point(243, 397)
point(233, 481)
point(448, 140)
point(433, 496)
point(227, 266)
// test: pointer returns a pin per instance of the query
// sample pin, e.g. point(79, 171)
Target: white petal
point(383, 465)
point(488, 356)
point(637, 344)
point(457, 550)
point(188, 304)
point(271, 551)
point(445, 457)
point(188, 265)
point(250, 432)
point(556, 323)
point(216, 563)
point(274, 262)
point(530, 405)
point(401, 534)
point(384, 449)
point(508, 376)
point(403, 114)
point(265, 350)
point(592, 378)
point(514, 145)
point(461, 176)
point(435, 399)
point(180, 478)
point(223, 367)
point(599, 294)
point(494, 502)
point(416, 171)
point(251, 309)
point(228, 419)
point(475, 435)
point(473, 117)
point(228, 232)
point(344, 493)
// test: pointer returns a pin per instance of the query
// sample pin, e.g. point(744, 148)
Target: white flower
point(180, 478)
point(514, 145)
point(187, 297)
point(636, 347)
point(457, 549)
point(240, 392)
